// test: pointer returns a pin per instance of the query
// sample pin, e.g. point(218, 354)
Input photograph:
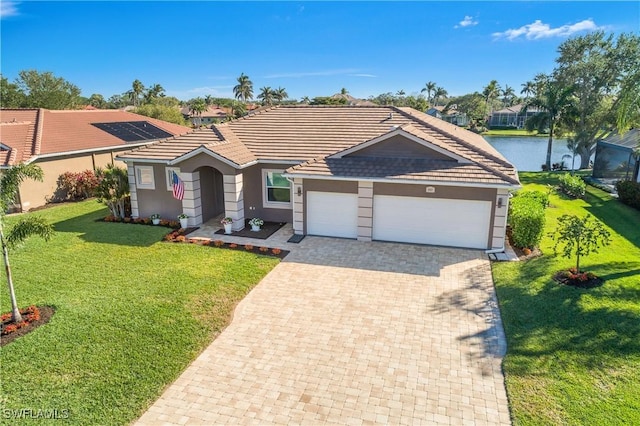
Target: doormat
point(266, 230)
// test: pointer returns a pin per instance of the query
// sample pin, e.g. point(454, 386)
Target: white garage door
point(438, 221)
point(332, 214)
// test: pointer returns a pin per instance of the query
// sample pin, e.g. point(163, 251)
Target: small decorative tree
point(26, 226)
point(579, 236)
point(113, 189)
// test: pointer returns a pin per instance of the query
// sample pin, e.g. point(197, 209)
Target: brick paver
point(347, 332)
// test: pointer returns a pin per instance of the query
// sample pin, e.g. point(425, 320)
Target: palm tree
point(344, 91)
point(439, 93)
point(197, 107)
point(430, 87)
point(305, 100)
point(244, 89)
point(491, 92)
point(208, 100)
point(153, 92)
point(280, 94)
point(267, 95)
point(137, 89)
point(528, 89)
point(555, 106)
point(26, 226)
point(508, 94)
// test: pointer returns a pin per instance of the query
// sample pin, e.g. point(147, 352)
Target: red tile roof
point(28, 133)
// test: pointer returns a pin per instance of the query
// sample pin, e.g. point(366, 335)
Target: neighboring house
point(450, 115)
point(61, 141)
point(367, 173)
point(213, 114)
point(615, 157)
point(512, 116)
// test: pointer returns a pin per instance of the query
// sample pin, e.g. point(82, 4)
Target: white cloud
point(8, 8)
point(363, 75)
point(468, 21)
point(538, 30)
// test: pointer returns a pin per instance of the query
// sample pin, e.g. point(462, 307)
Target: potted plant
point(184, 220)
point(227, 222)
point(155, 218)
point(256, 223)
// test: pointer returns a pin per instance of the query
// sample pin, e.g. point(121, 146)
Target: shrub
point(76, 186)
point(573, 186)
point(629, 193)
point(538, 196)
point(218, 243)
point(527, 220)
point(248, 247)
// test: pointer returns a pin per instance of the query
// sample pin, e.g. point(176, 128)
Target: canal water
point(528, 153)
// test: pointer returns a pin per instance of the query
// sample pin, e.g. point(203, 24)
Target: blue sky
point(309, 48)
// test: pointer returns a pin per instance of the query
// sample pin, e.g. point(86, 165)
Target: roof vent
point(391, 115)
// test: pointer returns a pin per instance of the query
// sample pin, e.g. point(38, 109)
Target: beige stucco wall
point(159, 200)
point(36, 194)
point(254, 193)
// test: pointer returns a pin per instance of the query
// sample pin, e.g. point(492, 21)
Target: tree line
point(593, 90)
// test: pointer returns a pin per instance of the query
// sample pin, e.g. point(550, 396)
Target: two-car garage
point(409, 219)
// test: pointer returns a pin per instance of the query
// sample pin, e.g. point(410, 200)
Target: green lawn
point(131, 314)
point(574, 355)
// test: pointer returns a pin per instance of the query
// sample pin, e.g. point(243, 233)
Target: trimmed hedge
point(527, 219)
point(539, 196)
point(572, 185)
point(629, 193)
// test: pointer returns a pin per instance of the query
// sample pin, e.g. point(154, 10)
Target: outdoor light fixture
point(500, 202)
point(299, 191)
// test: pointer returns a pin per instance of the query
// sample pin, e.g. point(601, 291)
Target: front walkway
point(347, 332)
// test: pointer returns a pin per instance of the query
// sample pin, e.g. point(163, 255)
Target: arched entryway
point(211, 192)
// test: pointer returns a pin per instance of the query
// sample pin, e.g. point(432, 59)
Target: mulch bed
point(46, 312)
point(268, 229)
point(180, 236)
point(565, 277)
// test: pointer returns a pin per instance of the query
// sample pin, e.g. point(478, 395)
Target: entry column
point(234, 200)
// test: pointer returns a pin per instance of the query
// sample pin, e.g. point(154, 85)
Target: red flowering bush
point(248, 247)
point(233, 245)
point(218, 243)
point(276, 251)
point(180, 238)
point(264, 249)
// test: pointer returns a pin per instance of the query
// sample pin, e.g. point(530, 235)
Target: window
point(277, 189)
point(169, 175)
point(144, 177)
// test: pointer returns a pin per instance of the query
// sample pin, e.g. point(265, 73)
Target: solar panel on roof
point(132, 131)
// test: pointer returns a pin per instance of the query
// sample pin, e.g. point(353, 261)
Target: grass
point(574, 355)
point(131, 314)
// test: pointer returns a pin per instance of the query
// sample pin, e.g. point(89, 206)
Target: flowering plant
point(155, 216)
point(183, 216)
point(226, 221)
point(256, 221)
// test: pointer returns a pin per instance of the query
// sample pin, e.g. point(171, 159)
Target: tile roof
point(302, 133)
point(32, 132)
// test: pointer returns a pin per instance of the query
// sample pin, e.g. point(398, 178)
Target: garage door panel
point(457, 223)
point(332, 214)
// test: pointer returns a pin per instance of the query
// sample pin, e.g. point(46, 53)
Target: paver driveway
point(346, 332)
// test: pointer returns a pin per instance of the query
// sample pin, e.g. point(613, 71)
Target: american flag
point(178, 187)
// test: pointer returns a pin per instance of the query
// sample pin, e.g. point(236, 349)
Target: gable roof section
point(30, 133)
point(409, 132)
point(307, 134)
